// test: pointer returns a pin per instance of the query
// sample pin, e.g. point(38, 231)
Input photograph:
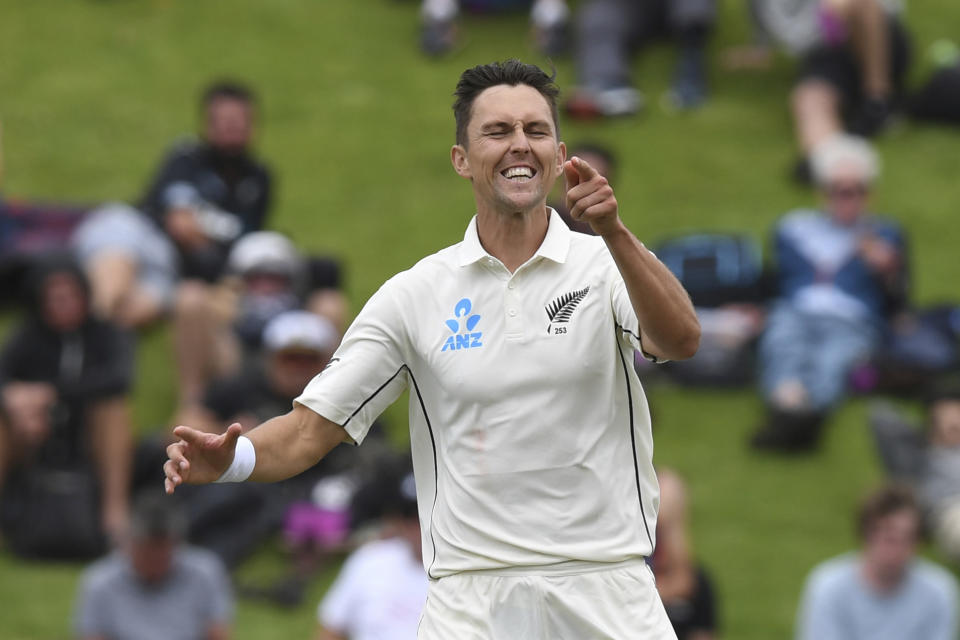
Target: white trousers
point(610, 604)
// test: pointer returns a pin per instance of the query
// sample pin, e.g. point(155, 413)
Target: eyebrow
point(503, 124)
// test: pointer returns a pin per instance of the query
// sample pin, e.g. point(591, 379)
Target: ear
point(458, 157)
point(561, 157)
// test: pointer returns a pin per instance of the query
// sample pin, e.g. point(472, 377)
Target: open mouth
point(519, 174)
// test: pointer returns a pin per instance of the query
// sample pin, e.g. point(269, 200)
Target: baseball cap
point(264, 252)
point(300, 330)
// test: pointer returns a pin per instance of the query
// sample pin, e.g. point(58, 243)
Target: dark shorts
point(837, 65)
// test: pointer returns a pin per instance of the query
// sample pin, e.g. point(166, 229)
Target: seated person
point(232, 519)
point(930, 461)
point(884, 591)
point(838, 271)
point(155, 586)
point(684, 587)
point(217, 328)
point(382, 587)
point(548, 18)
point(64, 382)
point(854, 59)
point(608, 31)
point(208, 193)
point(131, 263)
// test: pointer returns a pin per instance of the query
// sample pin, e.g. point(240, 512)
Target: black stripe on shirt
point(436, 473)
point(375, 394)
point(633, 439)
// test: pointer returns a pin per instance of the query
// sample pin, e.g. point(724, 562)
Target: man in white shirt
point(381, 589)
point(530, 432)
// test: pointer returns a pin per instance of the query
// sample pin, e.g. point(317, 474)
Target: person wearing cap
point(156, 586)
point(530, 432)
point(217, 328)
point(839, 273)
point(296, 347)
point(381, 588)
point(232, 519)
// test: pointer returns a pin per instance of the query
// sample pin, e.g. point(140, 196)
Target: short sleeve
point(368, 371)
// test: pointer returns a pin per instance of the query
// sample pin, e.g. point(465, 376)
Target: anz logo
point(462, 325)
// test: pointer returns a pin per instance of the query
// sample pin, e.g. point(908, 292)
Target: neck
point(512, 238)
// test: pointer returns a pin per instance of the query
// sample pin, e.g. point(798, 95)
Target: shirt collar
point(555, 245)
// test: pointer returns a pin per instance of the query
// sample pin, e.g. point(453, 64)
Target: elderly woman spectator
point(839, 269)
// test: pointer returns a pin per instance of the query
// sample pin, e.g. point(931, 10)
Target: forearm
point(113, 447)
point(292, 443)
point(666, 316)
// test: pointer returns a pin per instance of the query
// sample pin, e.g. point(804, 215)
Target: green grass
point(357, 126)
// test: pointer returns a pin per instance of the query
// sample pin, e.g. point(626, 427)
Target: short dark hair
point(229, 89)
point(154, 516)
point(884, 502)
point(512, 72)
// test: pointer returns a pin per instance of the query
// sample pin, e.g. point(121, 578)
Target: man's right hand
point(182, 225)
point(198, 457)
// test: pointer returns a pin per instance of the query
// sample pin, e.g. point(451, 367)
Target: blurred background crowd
point(792, 162)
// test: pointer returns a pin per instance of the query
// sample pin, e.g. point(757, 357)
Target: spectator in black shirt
point(210, 192)
point(64, 380)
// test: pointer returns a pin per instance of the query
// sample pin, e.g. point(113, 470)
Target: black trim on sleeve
point(436, 473)
point(633, 441)
point(375, 394)
point(649, 356)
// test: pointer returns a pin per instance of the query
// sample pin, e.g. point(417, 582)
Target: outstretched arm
point(668, 324)
point(284, 446)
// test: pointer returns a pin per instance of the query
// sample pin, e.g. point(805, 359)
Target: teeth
point(518, 172)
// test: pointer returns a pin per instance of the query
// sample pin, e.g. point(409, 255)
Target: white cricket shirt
point(529, 428)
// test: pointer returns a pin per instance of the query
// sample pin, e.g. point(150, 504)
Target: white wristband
point(244, 460)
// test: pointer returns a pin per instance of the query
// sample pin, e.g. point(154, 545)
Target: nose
point(519, 141)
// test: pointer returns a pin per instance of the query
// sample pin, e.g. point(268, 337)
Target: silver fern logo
point(561, 310)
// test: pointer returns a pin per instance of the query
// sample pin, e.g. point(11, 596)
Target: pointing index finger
point(586, 171)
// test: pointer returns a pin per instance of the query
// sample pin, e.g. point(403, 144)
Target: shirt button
point(510, 285)
point(512, 312)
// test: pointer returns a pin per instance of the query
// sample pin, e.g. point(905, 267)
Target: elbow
point(687, 342)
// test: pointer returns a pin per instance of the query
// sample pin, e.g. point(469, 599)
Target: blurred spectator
point(884, 592)
point(217, 328)
point(296, 347)
point(549, 23)
point(131, 264)
point(155, 587)
point(232, 519)
point(208, 193)
point(607, 31)
point(601, 158)
point(854, 57)
point(839, 270)
point(65, 434)
point(930, 461)
point(382, 587)
point(725, 277)
point(684, 586)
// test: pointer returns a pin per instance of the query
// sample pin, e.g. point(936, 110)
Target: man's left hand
point(590, 197)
